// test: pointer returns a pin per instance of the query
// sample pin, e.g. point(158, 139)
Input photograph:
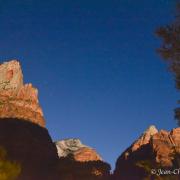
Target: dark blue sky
point(95, 65)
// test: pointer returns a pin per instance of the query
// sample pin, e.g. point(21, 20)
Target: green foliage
point(8, 170)
point(148, 166)
point(170, 50)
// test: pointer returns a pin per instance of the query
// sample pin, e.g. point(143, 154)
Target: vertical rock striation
point(18, 100)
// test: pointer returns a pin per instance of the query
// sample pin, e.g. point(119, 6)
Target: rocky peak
point(151, 130)
point(151, 150)
point(79, 151)
point(18, 100)
point(145, 137)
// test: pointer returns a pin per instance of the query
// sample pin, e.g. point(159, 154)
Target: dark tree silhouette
point(170, 50)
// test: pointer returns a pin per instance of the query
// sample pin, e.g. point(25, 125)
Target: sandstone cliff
point(18, 100)
point(78, 161)
point(22, 127)
point(79, 151)
point(153, 150)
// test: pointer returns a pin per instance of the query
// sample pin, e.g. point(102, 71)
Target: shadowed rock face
point(70, 169)
point(153, 150)
point(30, 146)
point(79, 151)
point(78, 161)
point(16, 99)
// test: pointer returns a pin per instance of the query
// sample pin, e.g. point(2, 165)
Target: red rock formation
point(162, 144)
point(27, 142)
point(79, 151)
point(16, 99)
point(144, 138)
point(86, 154)
point(78, 161)
point(153, 150)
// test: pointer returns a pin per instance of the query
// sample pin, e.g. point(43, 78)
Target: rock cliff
point(26, 141)
point(18, 100)
point(23, 135)
point(152, 150)
point(79, 151)
point(29, 145)
point(78, 161)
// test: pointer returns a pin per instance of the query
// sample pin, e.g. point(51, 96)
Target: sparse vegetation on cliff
point(8, 170)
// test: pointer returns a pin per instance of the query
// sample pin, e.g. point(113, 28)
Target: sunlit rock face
point(152, 150)
point(166, 145)
point(18, 100)
point(11, 78)
point(144, 138)
point(79, 151)
point(78, 161)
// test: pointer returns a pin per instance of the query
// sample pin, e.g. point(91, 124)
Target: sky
point(95, 65)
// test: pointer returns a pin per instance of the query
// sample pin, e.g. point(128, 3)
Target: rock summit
point(18, 100)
